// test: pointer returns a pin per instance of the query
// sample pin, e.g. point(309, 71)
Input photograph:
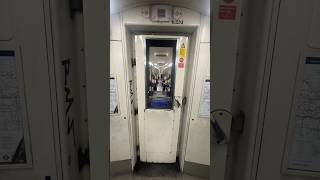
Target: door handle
point(218, 132)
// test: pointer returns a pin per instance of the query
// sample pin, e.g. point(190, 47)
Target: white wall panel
point(314, 36)
point(115, 27)
point(198, 144)
point(134, 16)
point(205, 29)
point(119, 125)
point(6, 20)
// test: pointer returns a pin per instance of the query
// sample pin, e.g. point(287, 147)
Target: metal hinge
point(184, 100)
point(83, 158)
point(133, 62)
point(136, 112)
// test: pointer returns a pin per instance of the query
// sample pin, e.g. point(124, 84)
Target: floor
point(147, 171)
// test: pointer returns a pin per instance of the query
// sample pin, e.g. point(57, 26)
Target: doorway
point(167, 91)
point(160, 67)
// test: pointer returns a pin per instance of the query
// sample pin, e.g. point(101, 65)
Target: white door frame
point(96, 37)
point(140, 49)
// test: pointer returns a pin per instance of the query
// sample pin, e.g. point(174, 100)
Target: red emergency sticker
point(227, 12)
point(180, 65)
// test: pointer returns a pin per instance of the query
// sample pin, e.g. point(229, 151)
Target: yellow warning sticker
point(182, 52)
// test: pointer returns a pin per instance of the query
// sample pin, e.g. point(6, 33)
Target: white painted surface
point(291, 48)
point(64, 44)
point(225, 35)
point(30, 45)
point(197, 132)
point(205, 29)
point(119, 125)
point(6, 20)
point(198, 144)
point(314, 36)
point(140, 46)
point(115, 27)
point(131, 100)
point(158, 135)
point(144, 126)
point(134, 16)
point(96, 38)
point(256, 37)
point(200, 6)
point(191, 68)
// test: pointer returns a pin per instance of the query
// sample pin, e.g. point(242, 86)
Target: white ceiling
point(202, 6)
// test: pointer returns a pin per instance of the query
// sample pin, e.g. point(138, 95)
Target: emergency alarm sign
point(227, 12)
point(182, 55)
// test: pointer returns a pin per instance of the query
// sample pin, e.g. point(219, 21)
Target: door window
point(160, 73)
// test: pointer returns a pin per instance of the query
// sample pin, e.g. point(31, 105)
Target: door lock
point(218, 133)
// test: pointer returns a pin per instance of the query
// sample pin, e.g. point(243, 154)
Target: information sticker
point(181, 65)
point(114, 104)
point(204, 110)
point(182, 51)
point(12, 144)
point(305, 148)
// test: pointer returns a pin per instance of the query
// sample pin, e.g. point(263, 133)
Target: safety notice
point(305, 149)
point(227, 12)
point(182, 52)
point(12, 147)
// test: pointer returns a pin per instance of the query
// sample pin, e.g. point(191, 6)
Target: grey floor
point(136, 177)
point(146, 171)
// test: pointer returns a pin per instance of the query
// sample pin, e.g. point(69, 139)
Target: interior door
point(27, 110)
point(290, 148)
point(119, 122)
point(160, 81)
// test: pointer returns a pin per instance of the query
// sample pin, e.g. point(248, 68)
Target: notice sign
point(305, 149)
point(182, 51)
point(12, 147)
point(227, 12)
point(205, 100)
point(181, 65)
point(114, 107)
